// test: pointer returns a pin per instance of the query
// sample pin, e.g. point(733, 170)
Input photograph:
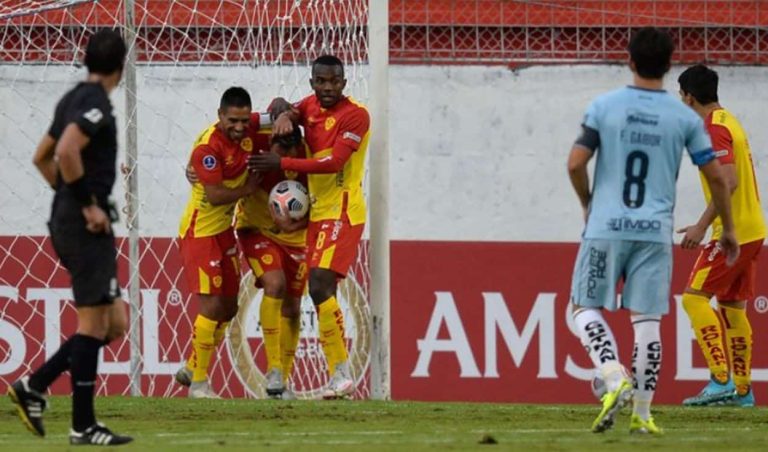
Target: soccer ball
point(598, 384)
point(289, 197)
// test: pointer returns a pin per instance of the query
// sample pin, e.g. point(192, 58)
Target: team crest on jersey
point(267, 259)
point(246, 144)
point(292, 175)
point(329, 123)
point(209, 162)
point(217, 281)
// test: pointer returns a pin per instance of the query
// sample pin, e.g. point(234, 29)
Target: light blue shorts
point(644, 267)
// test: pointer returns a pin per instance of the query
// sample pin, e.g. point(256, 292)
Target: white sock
point(597, 338)
point(646, 362)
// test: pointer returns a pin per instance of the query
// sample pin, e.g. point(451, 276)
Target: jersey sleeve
point(207, 165)
point(591, 116)
point(698, 144)
point(722, 142)
point(92, 114)
point(352, 130)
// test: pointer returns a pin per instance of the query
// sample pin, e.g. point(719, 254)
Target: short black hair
point(328, 60)
point(105, 52)
point(700, 82)
point(235, 96)
point(651, 50)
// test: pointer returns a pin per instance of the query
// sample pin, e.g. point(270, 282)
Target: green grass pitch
point(184, 424)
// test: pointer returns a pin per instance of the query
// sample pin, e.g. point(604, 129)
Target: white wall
point(478, 153)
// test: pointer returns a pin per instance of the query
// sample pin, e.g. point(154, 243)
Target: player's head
point(650, 53)
point(328, 80)
point(105, 53)
point(698, 84)
point(288, 145)
point(235, 112)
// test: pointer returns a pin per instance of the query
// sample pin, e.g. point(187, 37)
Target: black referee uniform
point(89, 257)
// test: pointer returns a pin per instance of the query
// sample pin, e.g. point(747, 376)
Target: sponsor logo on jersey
point(329, 123)
point(639, 117)
point(722, 153)
point(229, 161)
point(638, 225)
point(94, 115)
point(209, 162)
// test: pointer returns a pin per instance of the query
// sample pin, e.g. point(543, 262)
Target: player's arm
point(723, 142)
point(721, 195)
point(284, 115)
point(218, 194)
point(44, 161)
point(581, 153)
point(207, 169)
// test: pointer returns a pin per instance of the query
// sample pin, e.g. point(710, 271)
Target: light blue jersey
point(642, 136)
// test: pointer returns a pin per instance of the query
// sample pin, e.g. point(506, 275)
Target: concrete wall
point(477, 153)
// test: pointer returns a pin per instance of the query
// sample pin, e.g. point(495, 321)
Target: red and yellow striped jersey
point(731, 146)
point(216, 160)
point(345, 124)
point(253, 211)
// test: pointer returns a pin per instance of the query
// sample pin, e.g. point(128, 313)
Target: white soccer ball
point(598, 384)
point(289, 197)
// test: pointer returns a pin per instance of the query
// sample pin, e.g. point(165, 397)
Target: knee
point(274, 287)
point(291, 308)
point(322, 285)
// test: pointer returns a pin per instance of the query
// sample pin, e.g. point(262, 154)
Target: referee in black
point(78, 157)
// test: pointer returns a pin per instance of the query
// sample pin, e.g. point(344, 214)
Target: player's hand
point(283, 124)
point(253, 181)
point(730, 247)
point(693, 235)
point(96, 220)
point(268, 161)
point(191, 175)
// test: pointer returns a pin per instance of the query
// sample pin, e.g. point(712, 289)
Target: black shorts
point(90, 259)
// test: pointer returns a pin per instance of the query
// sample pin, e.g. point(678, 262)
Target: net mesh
point(188, 53)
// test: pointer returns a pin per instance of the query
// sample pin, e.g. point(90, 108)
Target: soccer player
point(77, 157)
point(275, 248)
point(637, 134)
point(208, 245)
point(710, 276)
point(336, 130)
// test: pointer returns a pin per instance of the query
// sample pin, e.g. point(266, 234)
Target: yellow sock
point(269, 314)
point(203, 345)
point(219, 333)
point(738, 333)
point(709, 335)
point(289, 338)
point(331, 326)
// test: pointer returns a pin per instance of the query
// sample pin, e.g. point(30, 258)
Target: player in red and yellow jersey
point(336, 129)
point(275, 249)
point(207, 238)
point(711, 276)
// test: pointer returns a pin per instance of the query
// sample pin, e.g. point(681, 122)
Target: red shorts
point(211, 264)
point(264, 254)
point(332, 244)
point(711, 275)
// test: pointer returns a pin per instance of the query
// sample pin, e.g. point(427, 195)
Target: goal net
point(186, 54)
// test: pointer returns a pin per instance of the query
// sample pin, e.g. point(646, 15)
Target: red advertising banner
point(490, 322)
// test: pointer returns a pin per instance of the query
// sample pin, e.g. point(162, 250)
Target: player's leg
point(266, 260)
point(738, 330)
point(710, 276)
point(646, 293)
point(332, 247)
point(593, 288)
point(295, 270)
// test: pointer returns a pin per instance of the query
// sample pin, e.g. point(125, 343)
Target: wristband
point(79, 190)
